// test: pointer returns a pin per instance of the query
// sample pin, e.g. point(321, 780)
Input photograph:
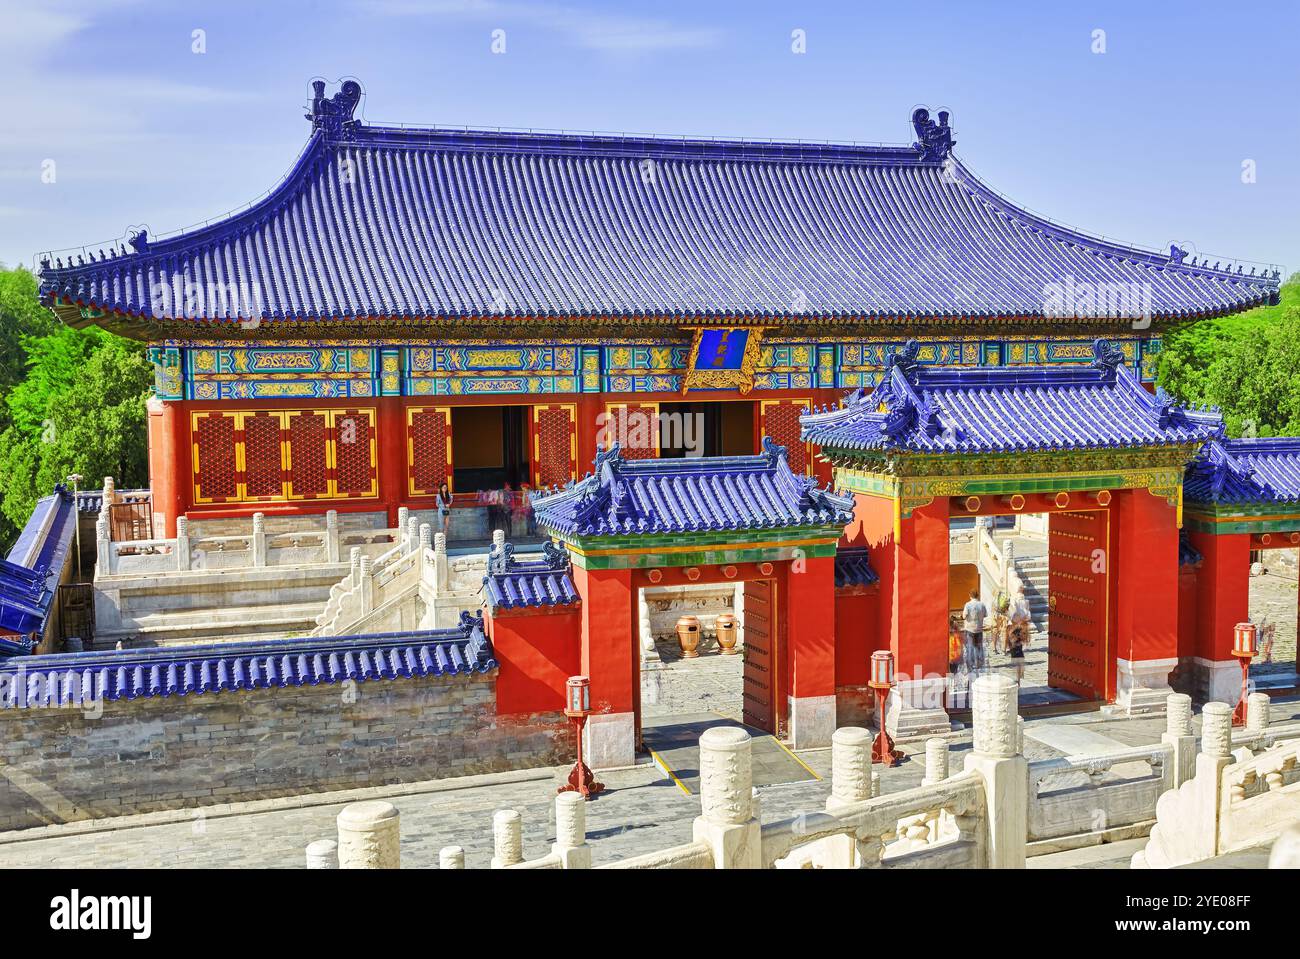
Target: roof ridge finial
point(935, 139)
point(1107, 354)
point(334, 115)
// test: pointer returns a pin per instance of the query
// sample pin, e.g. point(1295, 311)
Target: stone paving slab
point(675, 742)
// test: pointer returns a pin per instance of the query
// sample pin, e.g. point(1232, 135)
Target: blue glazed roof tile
point(853, 567)
point(514, 584)
point(29, 577)
point(377, 221)
point(1245, 471)
point(690, 495)
point(1018, 409)
point(69, 679)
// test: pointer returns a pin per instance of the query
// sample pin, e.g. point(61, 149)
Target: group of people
point(507, 509)
point(1010, 633)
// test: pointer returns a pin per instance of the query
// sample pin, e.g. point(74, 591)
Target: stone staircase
point(1033, 572)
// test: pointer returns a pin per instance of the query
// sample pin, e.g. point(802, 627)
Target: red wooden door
point(1078, 602)
point(759, 654)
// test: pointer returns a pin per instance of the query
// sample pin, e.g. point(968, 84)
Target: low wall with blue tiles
point(159, 753)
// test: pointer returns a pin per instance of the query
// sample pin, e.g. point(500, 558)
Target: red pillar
point(1223, 601)
point(810, 642)
point(169, 464)
point(610, 659)
point(391, 454)
point(1146, 587)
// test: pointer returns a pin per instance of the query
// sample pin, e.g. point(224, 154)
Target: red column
point(391, 453)
point(919, 623)
point(810, 644)
point(169, 464)
point(1222, 601)
point(1145, 571)
point(610, 659)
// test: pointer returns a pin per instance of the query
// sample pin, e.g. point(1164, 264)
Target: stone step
point(207, 625)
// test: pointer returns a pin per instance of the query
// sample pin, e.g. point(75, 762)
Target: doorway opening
point(489, 447)
point(706, 429)
point(1274, 597)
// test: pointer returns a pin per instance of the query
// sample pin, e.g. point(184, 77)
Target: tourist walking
point(444, 508)
point(1018, 636)
point(973, 615)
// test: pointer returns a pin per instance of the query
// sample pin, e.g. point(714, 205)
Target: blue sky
point(1144, 143)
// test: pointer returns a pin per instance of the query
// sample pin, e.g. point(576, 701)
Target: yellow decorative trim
point(741, 379)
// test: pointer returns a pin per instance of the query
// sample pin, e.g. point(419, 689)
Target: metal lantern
point(578, 696)
point(1245, 640)
point(882, 669)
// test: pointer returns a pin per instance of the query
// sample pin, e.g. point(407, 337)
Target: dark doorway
point(489, 447)
point(706, 429)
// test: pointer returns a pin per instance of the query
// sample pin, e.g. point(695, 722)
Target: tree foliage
point(76, 404)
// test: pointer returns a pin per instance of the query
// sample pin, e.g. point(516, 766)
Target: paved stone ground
point(641, 811)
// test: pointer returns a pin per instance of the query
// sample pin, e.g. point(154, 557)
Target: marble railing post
point(441, 568)
point(1214, 757)
point(367, 586)
point(369, 836)
point(851, 783)
point(570, 844)
point(412, 533)
point(1257, 710)
point(103, 546)
point(332, 536)
point(997, 759)
point(259, 539)
point(323, 854)
point(727, 823)
point(426, 536)
point(1181, 737)
point(498, 538)
point(354, 559)
point(507, 838)
point(402, 514)
point(936, 761)
point(451, 857)
point(182, 543)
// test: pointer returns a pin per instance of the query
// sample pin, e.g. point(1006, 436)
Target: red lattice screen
point(354, 470)
point(554, 463)
point(430, 440)
point(781, 422)
point(214, 458)
point(308, 455)
point(263, 466)
point(636, 428)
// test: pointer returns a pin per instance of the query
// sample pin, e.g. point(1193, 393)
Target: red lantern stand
point(578, 708)
point(1245, 644)
point(882, 678)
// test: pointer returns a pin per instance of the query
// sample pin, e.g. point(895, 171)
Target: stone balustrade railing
point(254, 549)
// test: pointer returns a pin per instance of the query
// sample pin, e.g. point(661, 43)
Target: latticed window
point(781, 422)
point(429, 432)
point(215, 464)
point(263, 456)
point(308, 455)
point(636, 429)
point(354, 435)
point(554, 452)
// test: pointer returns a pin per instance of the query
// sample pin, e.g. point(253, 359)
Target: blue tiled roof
point(689, 495)
point(29, 577)
point(515, 584)
point(1246, 471)
point(388, 222)
point(853, 567)
point(72, 678)
point(923, 409)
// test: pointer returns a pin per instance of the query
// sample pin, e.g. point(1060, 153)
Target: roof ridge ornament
point(1107, 354)
point(334, 115)
point(906, 357)
point(935, 139)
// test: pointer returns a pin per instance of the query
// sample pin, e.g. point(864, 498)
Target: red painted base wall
point(538, 651)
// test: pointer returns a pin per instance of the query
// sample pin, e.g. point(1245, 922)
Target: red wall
point(538, 649)
point(1223, 592)
point(857, 633)
point(1146, 577)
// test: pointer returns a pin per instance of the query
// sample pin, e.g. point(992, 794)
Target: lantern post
point(1245, 644)
point(577, 707)
point(882, 678)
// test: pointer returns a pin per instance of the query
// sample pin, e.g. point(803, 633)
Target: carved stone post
point(571, 831)
point(850, 784)
point(727, 822)
point(997, 759)
point(1257, 709)
point(441, 568)
point(936, 761)
point(367, 586)
point(451, 857)
point(412, 533)
point(103, 546)
point(332, 536)
point(426, 536)
point(507, 838)
point(498, 538)
point(259, 539)
point(1180, 735)
point(402, 514)
point(369, 836)
point(354, 560)
point(182, 543)
point(323, 854)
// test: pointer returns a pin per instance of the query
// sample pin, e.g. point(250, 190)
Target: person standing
point(973, 615)
point(1018, 637)
point(444, 508)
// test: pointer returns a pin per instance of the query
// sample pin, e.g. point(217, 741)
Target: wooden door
point(1078, 602)
point(760, 655)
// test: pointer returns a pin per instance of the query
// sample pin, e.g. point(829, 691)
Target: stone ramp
point(674, 744)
